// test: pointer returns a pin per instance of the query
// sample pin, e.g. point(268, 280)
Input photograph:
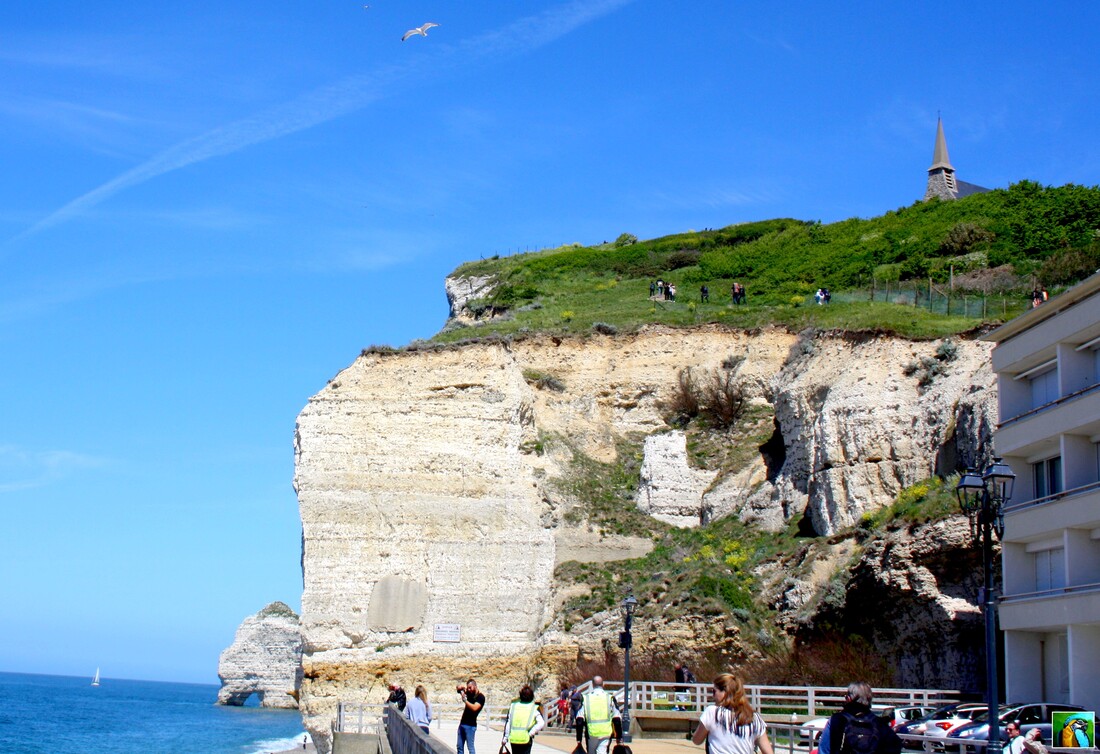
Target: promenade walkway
point(488, 741)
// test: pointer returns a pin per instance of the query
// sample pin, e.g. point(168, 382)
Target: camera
point(460, 689)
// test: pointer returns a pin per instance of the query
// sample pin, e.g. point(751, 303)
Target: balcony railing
point(1061, 591)
point(1082, 490)
point(1047, 406)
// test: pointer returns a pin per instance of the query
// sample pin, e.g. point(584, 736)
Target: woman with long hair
point(418, 710)
point(730, 725)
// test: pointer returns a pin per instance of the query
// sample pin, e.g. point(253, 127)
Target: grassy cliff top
point(893, 273)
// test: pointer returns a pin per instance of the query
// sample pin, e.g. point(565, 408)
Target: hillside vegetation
point(1002, 244)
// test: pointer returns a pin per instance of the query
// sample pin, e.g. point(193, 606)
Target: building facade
point(1048, 370)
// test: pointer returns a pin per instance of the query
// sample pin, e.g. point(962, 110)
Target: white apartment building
point(1048, 371)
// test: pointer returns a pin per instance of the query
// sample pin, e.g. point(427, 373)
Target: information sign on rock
point(447, 632)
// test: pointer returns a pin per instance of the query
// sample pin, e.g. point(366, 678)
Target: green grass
point(928, 500)
point(1028, 232)
point(604, 492)
point(703, 571)
point(625, 304)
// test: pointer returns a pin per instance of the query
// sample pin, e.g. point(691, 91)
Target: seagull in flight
point(421, 30)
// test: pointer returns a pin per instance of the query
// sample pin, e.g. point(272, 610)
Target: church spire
point(939, 154)
point(941, 176)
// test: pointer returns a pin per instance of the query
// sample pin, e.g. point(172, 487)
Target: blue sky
point(207, 210)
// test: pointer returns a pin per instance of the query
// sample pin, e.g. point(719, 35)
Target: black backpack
point(861, 735)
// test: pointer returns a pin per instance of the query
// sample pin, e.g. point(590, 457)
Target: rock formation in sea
point(265, 659)
point(434, 504)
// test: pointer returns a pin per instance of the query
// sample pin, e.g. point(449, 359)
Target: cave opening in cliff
point(774, 452)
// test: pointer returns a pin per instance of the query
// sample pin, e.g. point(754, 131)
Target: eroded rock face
point(912, 596)
point(857, 429)
point(264, 659)
point(429, 494)
point(669, 489)
point(461, 290)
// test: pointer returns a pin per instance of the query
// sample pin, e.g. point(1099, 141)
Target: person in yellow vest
point(599, 718)
point(524, 720)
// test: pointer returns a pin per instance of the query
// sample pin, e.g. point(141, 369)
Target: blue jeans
point(466, 734)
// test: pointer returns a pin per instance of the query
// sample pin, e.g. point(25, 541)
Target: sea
point(63, 715)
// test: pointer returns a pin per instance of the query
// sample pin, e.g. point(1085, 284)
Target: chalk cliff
point(433, 509)
point(264, 659)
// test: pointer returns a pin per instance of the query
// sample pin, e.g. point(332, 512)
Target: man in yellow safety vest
point(523, 722)
point(599, 718)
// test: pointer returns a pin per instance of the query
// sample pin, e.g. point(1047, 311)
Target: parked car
point(911, 728)
point(810, 730)
point(898, 716)
point(943, 720)
point(1027, 716)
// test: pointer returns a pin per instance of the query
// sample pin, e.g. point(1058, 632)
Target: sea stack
point(265, 659)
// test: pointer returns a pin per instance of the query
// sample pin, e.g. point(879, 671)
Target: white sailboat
point(95, 681)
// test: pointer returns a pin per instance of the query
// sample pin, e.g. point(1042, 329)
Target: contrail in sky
point(340, 98)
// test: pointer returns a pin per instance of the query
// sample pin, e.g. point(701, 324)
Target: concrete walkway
point(488, 741)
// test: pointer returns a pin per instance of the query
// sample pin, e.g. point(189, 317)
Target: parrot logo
point(1074, 733)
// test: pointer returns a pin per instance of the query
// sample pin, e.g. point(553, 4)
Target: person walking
point(418, 710)
point(856, 729)
point(704, 294)
point(599, 718)
point(523, 721)
point(576, 700)
point(473, 701)
point(730, 725)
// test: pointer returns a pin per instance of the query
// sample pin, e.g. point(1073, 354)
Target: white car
point(939, 726)
point(810, 731)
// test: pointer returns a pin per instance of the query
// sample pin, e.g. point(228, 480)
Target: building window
point(1063, 662)
point(1048, 477)
point(1044, 388)
point(1050, 569)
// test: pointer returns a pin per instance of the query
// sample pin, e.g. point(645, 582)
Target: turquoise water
point(63, 715)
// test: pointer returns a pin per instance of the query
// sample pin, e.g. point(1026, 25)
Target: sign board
point(446, 632)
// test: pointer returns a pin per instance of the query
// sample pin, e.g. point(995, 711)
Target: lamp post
point(625, 641)
point(983, 498)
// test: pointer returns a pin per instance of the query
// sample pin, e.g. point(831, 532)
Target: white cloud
point(23, 469)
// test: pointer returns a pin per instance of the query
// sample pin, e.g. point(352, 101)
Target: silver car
point(937, 726)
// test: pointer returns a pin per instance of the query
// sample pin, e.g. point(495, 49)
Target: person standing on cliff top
point(473, 700)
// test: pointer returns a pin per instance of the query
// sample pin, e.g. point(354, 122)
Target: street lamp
point(625, 641)
point(983, 498)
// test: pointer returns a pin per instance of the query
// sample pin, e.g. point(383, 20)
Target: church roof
point(939, 154)
point(966, 189)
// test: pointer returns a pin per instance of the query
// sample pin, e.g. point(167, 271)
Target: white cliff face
point(461, 290)
point(427, 483)
point(264, 659)
point(669, 489)
point(857, 429)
